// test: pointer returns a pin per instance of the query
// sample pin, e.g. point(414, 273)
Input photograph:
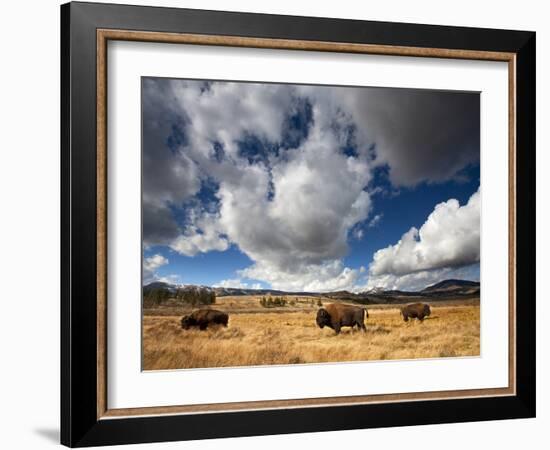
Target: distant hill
point(161, 293)
point(454, 287)
point(440, 291)
point(224, 291)
point(158, 285)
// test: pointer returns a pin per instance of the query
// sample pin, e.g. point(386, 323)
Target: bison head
point(187, 322)
point(323, 318)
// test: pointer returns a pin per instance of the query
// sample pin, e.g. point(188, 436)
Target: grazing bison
point(415, 311)
point(336, 316)
point(202, 318)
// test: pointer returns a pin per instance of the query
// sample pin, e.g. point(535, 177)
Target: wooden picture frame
point(86, 418)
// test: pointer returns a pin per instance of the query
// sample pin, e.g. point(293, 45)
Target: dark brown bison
point(336, 316)
point(202, 318)
point(415, 311)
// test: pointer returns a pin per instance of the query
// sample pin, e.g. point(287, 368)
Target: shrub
point(273, 302)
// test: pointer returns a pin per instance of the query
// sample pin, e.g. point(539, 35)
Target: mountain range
point(441, 290)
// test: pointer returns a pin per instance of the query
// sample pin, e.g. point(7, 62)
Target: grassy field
point(289, 335)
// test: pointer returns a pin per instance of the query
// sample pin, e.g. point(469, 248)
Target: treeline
point(154, 297)
point(195, 296)
point(366, 301)
point(273, 302)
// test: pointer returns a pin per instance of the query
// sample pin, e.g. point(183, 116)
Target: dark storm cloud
point(169, 176)
point(159, 226)
point(423, 136)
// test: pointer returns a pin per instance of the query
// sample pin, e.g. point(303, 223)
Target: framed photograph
point(276, 224)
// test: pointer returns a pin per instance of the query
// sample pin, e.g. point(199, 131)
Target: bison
point(415, 311)
point(202, 318)
point(336, 316)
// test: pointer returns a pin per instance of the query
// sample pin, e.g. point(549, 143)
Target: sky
point(307, 187)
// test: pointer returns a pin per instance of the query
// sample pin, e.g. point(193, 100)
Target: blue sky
point(311, 188)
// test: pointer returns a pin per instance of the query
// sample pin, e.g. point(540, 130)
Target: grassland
point(289, 335)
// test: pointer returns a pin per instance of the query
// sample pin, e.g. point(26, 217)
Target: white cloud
point(318, 197)
point(225, 112)
point(449, 238)
point(150, 266)
point(202, 235)
point(237, 283)
point(326, 277)
point(152, 263)
point(375, 220)
point(183, 120)
point(172, 278)
point(298, 237)
point(358, 233)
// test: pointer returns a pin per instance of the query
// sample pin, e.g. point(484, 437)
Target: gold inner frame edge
point(104, 35)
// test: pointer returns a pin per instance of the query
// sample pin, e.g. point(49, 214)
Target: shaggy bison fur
point(415, 311)
point(336, 316)
point(202, 318)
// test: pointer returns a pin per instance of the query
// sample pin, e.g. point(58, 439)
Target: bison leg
point(337, 328)
point(203, 326)
point(362, 326)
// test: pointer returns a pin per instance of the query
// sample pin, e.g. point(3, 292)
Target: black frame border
point(79, 424)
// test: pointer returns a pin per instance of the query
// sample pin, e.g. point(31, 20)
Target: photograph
point(295, 224)
point(278, 224)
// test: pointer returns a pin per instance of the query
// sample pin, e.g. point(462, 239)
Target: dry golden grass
point(291, 336)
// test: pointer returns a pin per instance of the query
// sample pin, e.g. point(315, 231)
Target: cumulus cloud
point(317, 197)
point(449, 238)
point(202, 235)
point(290, 166)
point(324, 277)
point(150, 266)
point(191, 132)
